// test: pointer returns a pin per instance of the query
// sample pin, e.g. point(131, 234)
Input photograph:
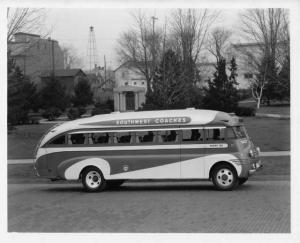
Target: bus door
point(192, 153)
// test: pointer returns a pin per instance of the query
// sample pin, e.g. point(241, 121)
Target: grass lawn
point(267, 133)
point(281, 110)
point(274, 168)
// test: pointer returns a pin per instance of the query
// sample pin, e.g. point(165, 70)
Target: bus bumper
point(255, 167)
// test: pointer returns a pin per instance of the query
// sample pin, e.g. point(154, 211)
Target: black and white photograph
point(154, 118)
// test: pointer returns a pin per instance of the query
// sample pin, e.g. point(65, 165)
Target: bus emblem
point(125, 167)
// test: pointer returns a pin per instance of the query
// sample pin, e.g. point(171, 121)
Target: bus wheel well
point(218, 164)
point(87, 167)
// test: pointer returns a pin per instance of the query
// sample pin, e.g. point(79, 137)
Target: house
point(130, 87)
point(67, 77)
point(34, 54)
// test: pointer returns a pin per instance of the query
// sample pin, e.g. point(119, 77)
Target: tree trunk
point(258, 103)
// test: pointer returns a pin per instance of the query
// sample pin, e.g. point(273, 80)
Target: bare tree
point(219, 42)
point(264, 28)
point(190, 29)
point(71, 57)
point(29, 20)
point(141, 46)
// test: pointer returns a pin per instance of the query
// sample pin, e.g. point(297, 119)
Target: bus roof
point(161, 118)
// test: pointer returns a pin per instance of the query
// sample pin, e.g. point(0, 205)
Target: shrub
point(100, 110)
point(245, 111)
point(76, 112)
point(51, 113)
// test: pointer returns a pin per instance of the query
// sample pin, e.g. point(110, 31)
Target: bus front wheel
point(224, 177)
point(93, 180)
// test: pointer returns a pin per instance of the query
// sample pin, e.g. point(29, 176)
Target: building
point(67, 77)
point(130, 88)
point(33, 55)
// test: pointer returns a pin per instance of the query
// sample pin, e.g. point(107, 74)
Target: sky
point(71, 27)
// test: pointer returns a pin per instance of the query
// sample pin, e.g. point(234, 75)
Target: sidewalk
point(262, 154)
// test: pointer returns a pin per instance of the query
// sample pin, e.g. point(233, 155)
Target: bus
point(104, 151)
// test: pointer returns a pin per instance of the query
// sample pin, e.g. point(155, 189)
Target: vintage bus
point(105, 150)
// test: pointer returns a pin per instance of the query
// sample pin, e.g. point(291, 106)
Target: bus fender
point(211, 160)
point(73, 172)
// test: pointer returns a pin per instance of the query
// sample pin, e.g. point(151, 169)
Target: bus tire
point(114, 184)
point(242, 181)
point(224, 177)
point(93, 179)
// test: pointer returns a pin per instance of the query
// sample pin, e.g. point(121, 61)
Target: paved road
point(258, 206)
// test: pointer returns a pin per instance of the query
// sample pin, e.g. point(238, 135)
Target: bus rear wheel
point(93, 180)
point(224, 177)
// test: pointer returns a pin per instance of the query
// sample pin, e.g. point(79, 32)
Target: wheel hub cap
point(93, 179)
point(225, 177)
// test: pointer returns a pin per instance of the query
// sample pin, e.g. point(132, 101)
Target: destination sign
point(143, 121)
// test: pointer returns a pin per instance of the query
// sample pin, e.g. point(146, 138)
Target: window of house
point(192, 135)
point(143, 83)
point(167, 136)
point(126, 83)
point(215, 134)
point(134, 83)
point(77, 138)
point(59, 140)
point(248, 75)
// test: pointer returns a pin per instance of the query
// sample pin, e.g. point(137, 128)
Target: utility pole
point(104, 69)
point(52, 58)
point(153, 45)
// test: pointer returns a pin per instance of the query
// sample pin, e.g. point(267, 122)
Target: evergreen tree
point(221, 93)
point(53, 95)
point(83, 94)
point(168, 87)
point(284, 80)
point(21, 95)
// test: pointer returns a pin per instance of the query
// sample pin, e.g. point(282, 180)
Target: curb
point(273, 116)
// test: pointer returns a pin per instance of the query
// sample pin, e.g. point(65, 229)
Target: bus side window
point(230, 133)
point(124, 137)
point(167, 136)
point(59, 140)
point(145, 137)
point(215, 134)
point(189, 135)
point(77, 138)
point(100, 138)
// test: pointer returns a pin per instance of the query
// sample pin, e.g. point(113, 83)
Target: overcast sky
point(71, 27)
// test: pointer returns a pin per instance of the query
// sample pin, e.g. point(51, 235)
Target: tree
point(266, 28)
point(221, 93)
point(141, 46)
point(218, 43)
point(83, 94)
point(189, 32)
point(53, 95)
point(71, 58)
point(21, 95)
point(25, 20)
point(169, 88)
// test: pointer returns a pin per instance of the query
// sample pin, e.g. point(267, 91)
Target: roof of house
point(130, 64)
point(63, 72)
point(23, 33)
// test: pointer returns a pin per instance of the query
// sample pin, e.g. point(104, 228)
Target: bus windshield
point(240, 132)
